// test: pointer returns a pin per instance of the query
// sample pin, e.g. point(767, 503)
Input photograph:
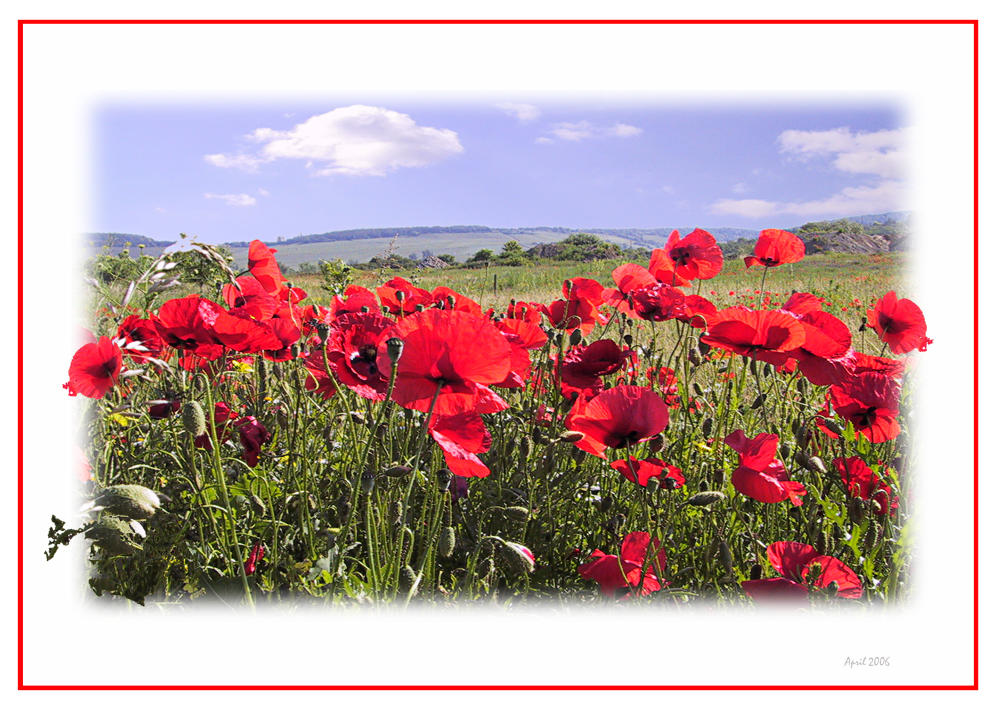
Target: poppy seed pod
point(575, 338)
point(694, 357)
point(193, 418)
point(367, 481)
point(656, 444)
point(832, 589)
point(756, 571)
point(706, 427)
point(627, 339)
point(394, 349)
point(856, 510)
point(323, 331)
point(444, 477)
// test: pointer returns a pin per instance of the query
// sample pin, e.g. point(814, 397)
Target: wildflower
point(776, 247)
point(861, 482)
point(95, 368)
point(461, 437)
point(641, 472)
point(451, 354)
point(696, 256)
point(620, 416)
point(760, 475)
point(256, 555)
point(760, 334)
point(899, 323)
point(802, 571)
point(625, 571)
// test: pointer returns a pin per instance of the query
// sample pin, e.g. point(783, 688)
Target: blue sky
point(231, 171)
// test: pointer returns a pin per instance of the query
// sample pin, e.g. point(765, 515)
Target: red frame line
point(20, 370)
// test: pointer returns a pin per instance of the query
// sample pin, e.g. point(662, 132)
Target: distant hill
point(462, 241)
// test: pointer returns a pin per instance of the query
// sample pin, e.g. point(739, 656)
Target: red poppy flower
point(253, 435)
point(657, 302)
point(249, 299)
point(287, 334)
point(628, 278)
point(696, 256)
point(256, 555)
point(246, 335)
point(641, 472)
point(584, 365)
point(623, 415)
point(822, 371)
point(454, 353)
point(760, 475)
point(625, 571)
point(401, 297)
point(317, 379)
point(95, 368)
point(523, 311)
point(695, 310)
point(188, 325)
point(802, 303)
point(461, 437)
point(802, 570)
point(264, 267)
point(662, 268)
point(139, 338)
point(871, 402)
point(355, 298)
point(776, 247)
point(352, 350)
point(522, 337)
point(664, 379)
point(222, 415)
point(899, 323)
point(763, 335)
point(451, 300)
point(861, 482)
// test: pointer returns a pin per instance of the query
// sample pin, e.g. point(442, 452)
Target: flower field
point(687, 431)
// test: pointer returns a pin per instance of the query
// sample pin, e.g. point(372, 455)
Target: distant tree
point(426, 253)
point(512, 254)
point(448, 258)
point(482, 255)
point(413, 256)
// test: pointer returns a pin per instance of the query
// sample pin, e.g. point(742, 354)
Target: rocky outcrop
point(432, 262)
point(852, 243)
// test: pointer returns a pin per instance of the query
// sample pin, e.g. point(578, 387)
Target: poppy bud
point(704, 348)
point(257, 505)
point(698, 390)
point(802, 385)
point(718, 477)
point(864, 324)
point(694, 357)
point(833, 425)
point(803, 435)
point(706, 427)
point(571, 437)
point(128, 501)
point(444, 479)
point(726, 557)
point(832, 588)
point(656, 444)
point(446, 543)
point(396, 471)
point(767, 369)
point(627, 339)
point(394, 349)
point(802, 458)
point(756, 571)
point(758, 401)
point(605, 505)
point(703, 486)
point(193, 418)
point(486, 568)
point(575, 338)
point(706, 498)
point(785, 450)
point(518, 559)
point(873, 536)
point(753, 367)
point(396, 512)
point(815, 463)
point(367, 481)
point(515, 513)
point(856, 510)
point(407, 579)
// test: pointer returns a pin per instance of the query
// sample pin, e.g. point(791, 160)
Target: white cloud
point(160, 210)
point(623, 130)
point(240, 161)
point(879, 153)
point(884, 197)
point(584, 129)
point(353, 140)
point(523, 112)
point(242, 200)
point(668, 189)
point(741, 188)
point(263, 193)
point(543, 140)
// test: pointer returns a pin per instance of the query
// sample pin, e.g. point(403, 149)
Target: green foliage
point(512, 255)
point(336, 276)
point(195, 267)
point(482, 255)
point(448, 259)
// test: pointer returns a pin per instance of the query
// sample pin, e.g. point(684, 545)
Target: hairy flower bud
point(367, 481)
point(446, 543)
point(127, 501)
point(193, 418)
point(695, 357)
point(706, 498)
point(518, 559)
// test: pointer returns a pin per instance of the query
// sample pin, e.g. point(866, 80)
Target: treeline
point(888, 228)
